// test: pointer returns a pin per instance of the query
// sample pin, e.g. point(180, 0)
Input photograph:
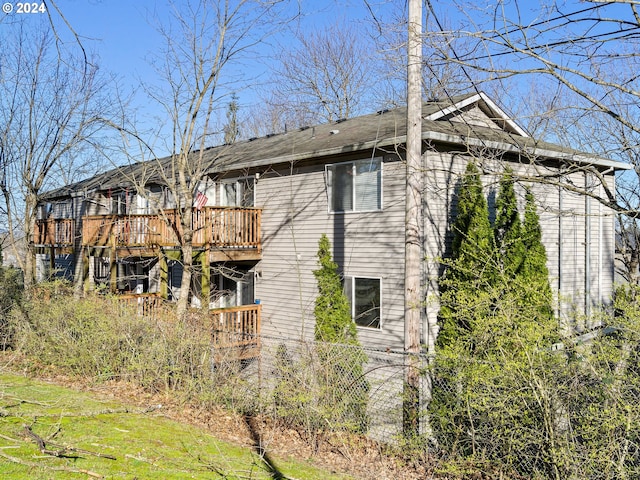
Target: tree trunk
point(633, 265)
point(187, 263)
point(29, 267)
point(185, 285)
point(29, 250)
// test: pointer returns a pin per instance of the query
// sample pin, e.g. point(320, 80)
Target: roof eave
point(536, 152)
point(443, 138)
point(495, 112)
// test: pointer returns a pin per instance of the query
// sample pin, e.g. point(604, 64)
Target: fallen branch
point(19, 461)
point(140, 459)
point(64, 450)
point(5, 437)
point(106, 411)
point(19, 401)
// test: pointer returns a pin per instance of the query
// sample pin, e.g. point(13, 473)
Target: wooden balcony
point(236, 332)
point(144, 304)
point(54, 232)
point(215, 228)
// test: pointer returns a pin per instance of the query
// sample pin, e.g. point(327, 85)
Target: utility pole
point(413, 211)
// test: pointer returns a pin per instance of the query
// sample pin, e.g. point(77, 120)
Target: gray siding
point(474, 116)
point(364, 244)
point(577, 231)
point(62, 209)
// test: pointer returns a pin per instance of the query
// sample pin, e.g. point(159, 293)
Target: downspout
point(560, 252)
point(601, 300)
point(600, 259)
point(587, 249)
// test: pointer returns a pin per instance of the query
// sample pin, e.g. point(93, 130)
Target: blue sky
point(122, 36)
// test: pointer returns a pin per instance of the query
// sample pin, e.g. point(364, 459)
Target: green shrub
point(11, 290)
point(343, 391)
point(100, 337)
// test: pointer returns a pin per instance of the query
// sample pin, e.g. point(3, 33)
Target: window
point(237, 193)
point(233, 289)
point(355, 186)
point(120, 203)
point(364, 296)
point(61, 209)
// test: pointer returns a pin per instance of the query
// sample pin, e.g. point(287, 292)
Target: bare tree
point(439, 78)
point(203, 42)
point(273, 115)
point(51, 108)
point(232, 129)
point(325, 77)
point(583, 58)
point(348, 69)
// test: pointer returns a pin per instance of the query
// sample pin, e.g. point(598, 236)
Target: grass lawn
point(146, 445)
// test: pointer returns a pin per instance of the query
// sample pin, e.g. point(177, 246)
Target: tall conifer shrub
point(534, 273)
point(465, 286)
point(343, 388)
point(497, 327)
point(332, 310)
point(508, 228)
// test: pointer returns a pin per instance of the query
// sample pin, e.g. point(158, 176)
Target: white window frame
point(351, 297)
point(238, 181)
point(120, 203)
point(329, 176)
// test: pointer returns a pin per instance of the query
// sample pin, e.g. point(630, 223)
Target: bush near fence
point(566, 413)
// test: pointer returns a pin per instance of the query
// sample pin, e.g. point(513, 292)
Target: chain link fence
point(316, 386)
point(569, 412)
point(564, 414)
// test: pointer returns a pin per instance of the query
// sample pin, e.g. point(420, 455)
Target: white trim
point(533, 151)
point(329, 186)
point(352, 302)
point(483, 101)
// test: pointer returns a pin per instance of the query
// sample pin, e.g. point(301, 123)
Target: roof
point(384, 129)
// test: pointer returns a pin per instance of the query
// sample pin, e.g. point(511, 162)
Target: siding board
point(364, 245)
point(372, 244)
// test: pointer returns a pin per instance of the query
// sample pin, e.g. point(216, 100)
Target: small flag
point(200, 200)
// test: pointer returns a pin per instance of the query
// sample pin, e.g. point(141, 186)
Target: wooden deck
point(144, 304)
point(235, 331)
point(216, 228)
point(54, 232)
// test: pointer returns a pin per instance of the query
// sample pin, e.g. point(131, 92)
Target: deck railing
point(224, 227)
point(235, 331)
point(237, 328)
point(54, 231)
point(144, 304)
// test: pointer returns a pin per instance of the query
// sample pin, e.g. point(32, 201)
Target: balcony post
point(52, 261)
point(113, 271)
point(208, 227)
point(113, 256)
point(206, 278)
point(86, 281)
point(164, 275)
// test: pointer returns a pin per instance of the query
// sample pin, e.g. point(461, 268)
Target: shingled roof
point(381, 130)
